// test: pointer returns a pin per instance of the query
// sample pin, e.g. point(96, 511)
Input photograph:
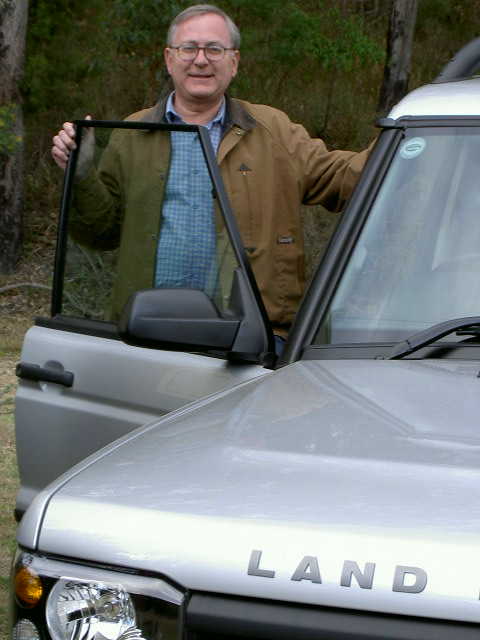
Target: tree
point(399, 50)
point(13, 23)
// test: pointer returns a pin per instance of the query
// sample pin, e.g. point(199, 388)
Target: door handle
point(29, 371)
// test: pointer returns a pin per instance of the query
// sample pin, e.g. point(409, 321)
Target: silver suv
point(184, 484)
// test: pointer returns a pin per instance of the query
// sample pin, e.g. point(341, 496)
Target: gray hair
point(198, 10)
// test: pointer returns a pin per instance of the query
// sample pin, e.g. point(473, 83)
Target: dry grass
point(23, 306)
point(9, 484)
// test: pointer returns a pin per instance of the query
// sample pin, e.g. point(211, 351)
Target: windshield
point(417, 261)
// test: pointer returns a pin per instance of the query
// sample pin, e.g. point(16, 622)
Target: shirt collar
point(172, 116)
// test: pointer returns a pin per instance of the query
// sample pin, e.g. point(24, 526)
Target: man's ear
point(167, 56)
point(235, 62)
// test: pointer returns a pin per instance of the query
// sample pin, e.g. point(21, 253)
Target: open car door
point(127, 342)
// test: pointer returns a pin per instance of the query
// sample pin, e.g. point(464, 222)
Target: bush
point(10, 141)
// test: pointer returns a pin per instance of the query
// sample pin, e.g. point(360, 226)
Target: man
point(270, 166)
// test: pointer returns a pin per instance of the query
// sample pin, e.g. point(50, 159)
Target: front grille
point(214, 617)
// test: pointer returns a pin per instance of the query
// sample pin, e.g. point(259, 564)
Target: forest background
point(321, 61)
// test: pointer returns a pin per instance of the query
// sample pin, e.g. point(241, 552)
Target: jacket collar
point(156, 113)
point(236, 114)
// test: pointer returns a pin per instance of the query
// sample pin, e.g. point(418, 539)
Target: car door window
point(141, 216)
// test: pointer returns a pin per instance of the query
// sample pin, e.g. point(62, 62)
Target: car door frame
point(212, 372)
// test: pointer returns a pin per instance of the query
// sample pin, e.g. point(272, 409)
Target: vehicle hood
point(325, 467)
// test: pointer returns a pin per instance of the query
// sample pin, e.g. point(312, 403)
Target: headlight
point(79, 602)
point(83, 609)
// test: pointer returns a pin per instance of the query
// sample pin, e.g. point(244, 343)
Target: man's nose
point(201, 58)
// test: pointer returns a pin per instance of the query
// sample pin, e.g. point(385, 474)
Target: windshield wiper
point(426, 337)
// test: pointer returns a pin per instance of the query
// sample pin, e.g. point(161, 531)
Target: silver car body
point(342, 461)
point(117, 388)
point(447, 99)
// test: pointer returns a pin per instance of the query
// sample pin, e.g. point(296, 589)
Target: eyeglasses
point(213, 52)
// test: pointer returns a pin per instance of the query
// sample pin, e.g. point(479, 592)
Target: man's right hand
point(64, 143)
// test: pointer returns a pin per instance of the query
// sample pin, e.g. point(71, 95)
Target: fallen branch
point(35, 285)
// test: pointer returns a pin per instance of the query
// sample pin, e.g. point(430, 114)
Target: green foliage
point(437, 10)
point(288, 45)
point(138, 29)
point(141, 24)
point(10, 141)
point(443, 27)
point(64, 42)
point(323, 37)
point(453, 15)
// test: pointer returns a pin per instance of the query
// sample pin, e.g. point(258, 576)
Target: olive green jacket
point(269, 165)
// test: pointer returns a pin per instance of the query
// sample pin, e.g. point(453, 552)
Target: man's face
point(202, 80)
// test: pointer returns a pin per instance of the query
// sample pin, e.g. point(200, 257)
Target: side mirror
point(188, 320)
point(180, 318)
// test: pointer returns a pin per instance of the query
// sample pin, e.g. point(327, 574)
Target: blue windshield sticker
point(412, 148)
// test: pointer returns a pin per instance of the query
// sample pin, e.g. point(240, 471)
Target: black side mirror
point(176, 318)
point(188, 320)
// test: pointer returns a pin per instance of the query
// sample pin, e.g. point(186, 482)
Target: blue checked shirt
point(186, 255)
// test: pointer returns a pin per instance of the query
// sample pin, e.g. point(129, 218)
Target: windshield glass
point(417, 261)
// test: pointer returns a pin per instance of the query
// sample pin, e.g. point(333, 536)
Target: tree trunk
point(399, 51)
point(13, 24)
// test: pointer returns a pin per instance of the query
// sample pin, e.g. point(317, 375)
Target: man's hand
point(64, 143)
